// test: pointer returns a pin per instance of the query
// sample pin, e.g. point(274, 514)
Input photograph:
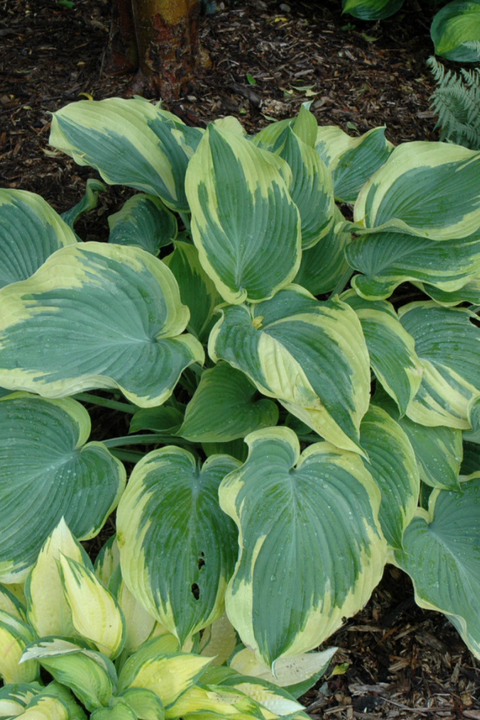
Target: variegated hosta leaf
point(18, 589)
point(448, 345)
point(177, 548)
point(371, 9)
point(46, 707)
point(96, 615)
point(161, 646)
point(455, 25)
point(469, 293)
point(219, 640)
point(11, 604)
point(441, 555)
point(244, 222)
point(311, 550)
point(14, 698)
point(139, 623)
point(224, 407)
point(108, 559)
point(232, 124)
point(55, 689)
point(96, 316)
point(144, 703)
point(430, 189)
point(197, 290)
point(14, 636)
point(311, 356)
point(267, 695)
point(30, 231)
point(145, 221)
point(289, 671)
point(473, 411)
point(305, 126)
point(388, 258)
point(120, 710)
point(169, 676)
point(391, 349)
point(89, 674)
point(438, 450)
point(311, 189)
point(130, 142)
point(203, 702)
point(392, 463)
point(351, 161)
point(272, 136)
point(48, 609)
point(88, 202)
point(324, 264)
point(46, 472)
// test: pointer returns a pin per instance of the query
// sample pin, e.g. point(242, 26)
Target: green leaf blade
point(245, 225)
point(223, 408)
point(324, 510)
point(116, 314)
point(185, 592)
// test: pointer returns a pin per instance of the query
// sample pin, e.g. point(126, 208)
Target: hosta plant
point(288, 322)
point(77, 644)
point(454, 28)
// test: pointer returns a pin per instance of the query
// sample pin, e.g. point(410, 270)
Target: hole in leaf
point(195, 591)
point(201, 561)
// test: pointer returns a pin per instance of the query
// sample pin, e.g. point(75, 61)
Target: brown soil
point(403, 662)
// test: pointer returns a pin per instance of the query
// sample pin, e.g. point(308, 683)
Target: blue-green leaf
point(244, 222)
point(311, 356)
point(96, 316)
point(145, 221)
point(310, 547)
point(30, 231)
point(177, 548)
point(46, 472)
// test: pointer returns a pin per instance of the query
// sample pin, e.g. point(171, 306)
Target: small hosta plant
point(78, 644)
point(309, 385)
point(455, 27)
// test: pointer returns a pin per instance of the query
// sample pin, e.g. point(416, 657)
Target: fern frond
point(456, 101)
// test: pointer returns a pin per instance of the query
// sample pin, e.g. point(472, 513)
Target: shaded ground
point(403, 662)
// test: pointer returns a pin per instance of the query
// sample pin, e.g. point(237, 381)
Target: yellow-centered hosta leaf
point(14, 636)
point(48, 610)
point(95, 612)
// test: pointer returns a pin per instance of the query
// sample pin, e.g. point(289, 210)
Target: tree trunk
point(122, 54)
point(166, 43)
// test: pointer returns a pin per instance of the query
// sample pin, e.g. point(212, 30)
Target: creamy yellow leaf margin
point(230, 246)
point(433, 186)
point(273, 453)
point(73, 269)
